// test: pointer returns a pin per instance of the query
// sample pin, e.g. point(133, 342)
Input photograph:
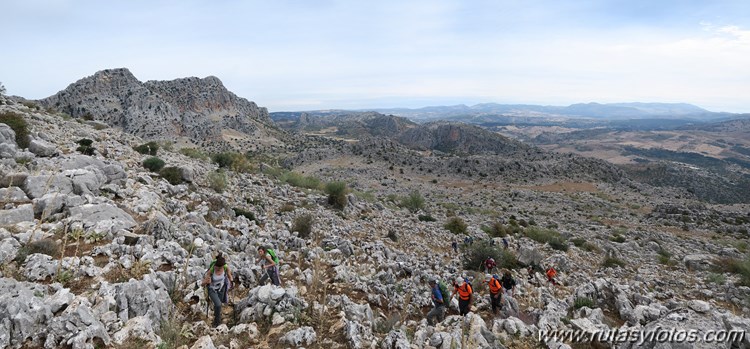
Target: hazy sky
point(306, 54)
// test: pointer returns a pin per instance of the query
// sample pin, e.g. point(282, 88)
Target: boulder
point(148, 297)
point(13, 195)
point(139, 327)
point(686, 320)
point(103, 217)
point(38, 186)
point(702, 262)
point(529, 256)
point(8, 151)
point(39, 267)
point(23, 312)
point(7, 135)
point(76, 328)
point(8, 249)
point(396, 339)
point(43, 148)
point(23, 213)
point(204, 342)
point(299, 337)
point(13, 179)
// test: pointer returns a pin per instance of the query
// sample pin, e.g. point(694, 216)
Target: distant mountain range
point(585, 114)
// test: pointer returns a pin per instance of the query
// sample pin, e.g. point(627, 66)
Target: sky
point(292, 55)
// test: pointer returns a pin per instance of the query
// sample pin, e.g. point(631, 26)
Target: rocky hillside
point(98, 252)
point(202, 111)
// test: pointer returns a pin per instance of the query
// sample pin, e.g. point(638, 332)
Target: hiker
point(489, 264)
point(440, 297)
point(509, 284)
point(505, 243)
point(496, 291)
point(466, 241)
point(530, 271)
point(218, 281)
point(492, 242)
point(465, 295)
point(551, 273)
point(455, 246)
point(270, 263)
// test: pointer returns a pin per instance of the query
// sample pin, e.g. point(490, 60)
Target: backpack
point(211, 267)
point(469, 283)
point(444, 292)
point(273, 255)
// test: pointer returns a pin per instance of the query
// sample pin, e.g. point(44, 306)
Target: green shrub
point(736, 266)
point(193, 153)
point(224, 160)
point(413, 202)
point(217, 180)
point(617, 238)
point(287, 207)
point(392, 235)
point(300, 181)
point(581, 302)
point(153, 164)
point(303, 225)
point(241, 212)
point(610, 262)
point(150, 148)
point(85, 146)
point(18, 124)
point(337, 194)
point(31, 105)
point(548, 236)
point(475, 254)
point(173, 175)
point(558, 244)
point(456, 225)
point(46, 246)
point(578, 242)
point(426, 218)
point(496, 230)
point(716, 278)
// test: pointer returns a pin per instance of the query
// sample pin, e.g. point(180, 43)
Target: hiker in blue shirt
point(438, 311)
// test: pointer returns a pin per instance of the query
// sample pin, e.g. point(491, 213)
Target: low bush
point(426, 218)
point(224, 160)
point(735, 266)
point(217, 180)
point(45, 246)
point(300, 181)
point(456, 225)
point(617, 238)
point(581, 302)
point(85, 146)
point(548, 236)
point(287, 207)
point(716, 278)
point(153, 164)
point(474, 255)
point(413, 202)
point(611, 262)
point(303, 225)
point(392, 235)
point(241, 212)
point(173, 175)
point(496, 230)
point(193, 153)
point(150, 148)
point(337, 194)
point(18, 124)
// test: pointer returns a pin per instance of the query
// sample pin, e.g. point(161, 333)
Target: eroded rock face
point(191, 107)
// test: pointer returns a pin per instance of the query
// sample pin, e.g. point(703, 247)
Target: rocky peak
point(195, 108)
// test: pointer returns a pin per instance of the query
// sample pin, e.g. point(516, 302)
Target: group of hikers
point(218, 279)
point(499, 287)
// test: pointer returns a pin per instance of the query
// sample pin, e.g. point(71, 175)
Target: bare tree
point(2, 89)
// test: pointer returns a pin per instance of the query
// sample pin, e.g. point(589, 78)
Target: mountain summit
point(194, 108)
